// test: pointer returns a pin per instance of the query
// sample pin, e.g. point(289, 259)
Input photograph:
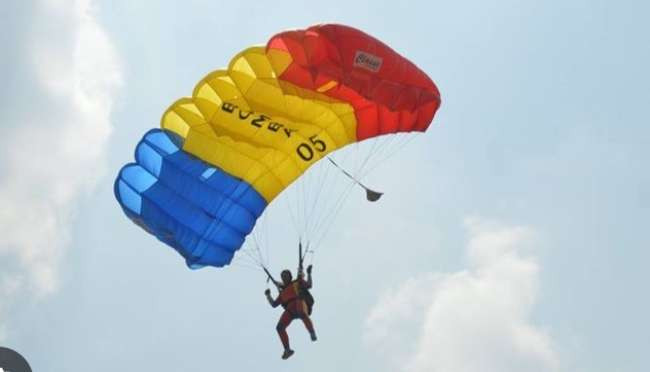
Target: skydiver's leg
point(310, 327)
point(307, 321)
point(283, 323)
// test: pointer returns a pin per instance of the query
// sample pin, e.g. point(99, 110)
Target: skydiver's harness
point(300, 295)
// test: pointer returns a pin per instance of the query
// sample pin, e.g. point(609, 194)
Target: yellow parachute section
point(267, 132)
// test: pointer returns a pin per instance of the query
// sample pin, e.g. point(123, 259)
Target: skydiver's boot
point(313, 335)
point(287, 353)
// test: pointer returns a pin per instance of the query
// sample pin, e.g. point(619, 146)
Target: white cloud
point(476, 319)
point(62, 72)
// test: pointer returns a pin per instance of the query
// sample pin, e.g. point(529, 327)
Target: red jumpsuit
point(294, 308)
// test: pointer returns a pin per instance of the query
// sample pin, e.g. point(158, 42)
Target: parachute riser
point(271, 278)
point(300, 258)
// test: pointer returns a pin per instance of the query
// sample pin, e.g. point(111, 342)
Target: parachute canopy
point(247, 132)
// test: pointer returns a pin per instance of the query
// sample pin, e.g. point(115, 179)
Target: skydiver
point(292, 297)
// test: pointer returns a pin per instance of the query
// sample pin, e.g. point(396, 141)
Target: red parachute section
point(387, 91)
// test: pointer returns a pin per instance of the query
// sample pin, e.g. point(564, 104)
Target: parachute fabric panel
point(201, 211)
point(388, 92)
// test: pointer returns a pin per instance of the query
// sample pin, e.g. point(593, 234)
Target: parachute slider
point(371, 195)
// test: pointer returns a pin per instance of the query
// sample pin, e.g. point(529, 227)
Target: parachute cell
point(201, 211)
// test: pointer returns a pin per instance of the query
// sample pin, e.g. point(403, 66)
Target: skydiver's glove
point(267, 292)
point(309, 269)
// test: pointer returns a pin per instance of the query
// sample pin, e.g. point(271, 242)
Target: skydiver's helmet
point(286, 276)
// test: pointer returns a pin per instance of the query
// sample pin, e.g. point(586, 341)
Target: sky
point(512, 234)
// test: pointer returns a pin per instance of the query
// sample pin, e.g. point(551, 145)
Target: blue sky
point(512, 236)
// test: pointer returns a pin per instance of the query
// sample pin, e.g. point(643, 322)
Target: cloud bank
point(476, 319)
point(61, 75)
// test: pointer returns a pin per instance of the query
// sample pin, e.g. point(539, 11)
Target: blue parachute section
point(201, 211)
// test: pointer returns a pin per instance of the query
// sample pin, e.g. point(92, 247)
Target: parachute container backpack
point(200, 182)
